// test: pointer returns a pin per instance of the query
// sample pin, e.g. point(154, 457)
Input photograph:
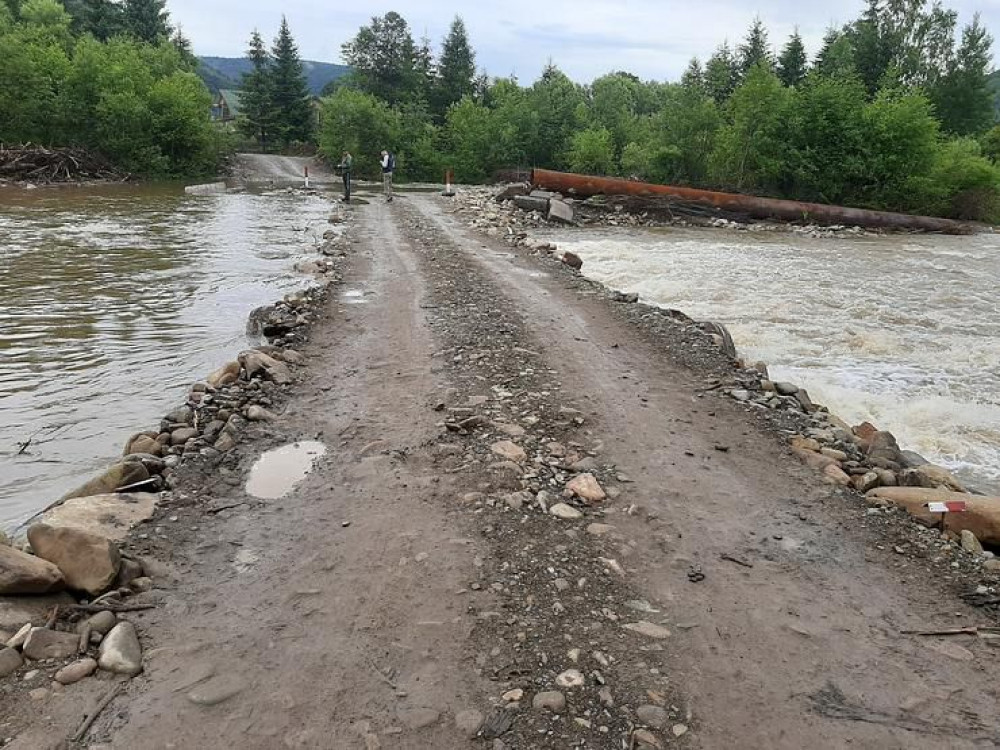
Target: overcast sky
point(654, 39)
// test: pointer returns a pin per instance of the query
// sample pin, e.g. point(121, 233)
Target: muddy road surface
point(431, 584)
point(277, 168)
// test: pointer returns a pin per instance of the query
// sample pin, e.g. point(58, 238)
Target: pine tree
point(755, 49)
point(721, 74)
point(693, 78)
point(383, 58)
point(291, 102)
point(964, 101)
point(836, 57)
point(146, 20)
point(456, 69)
point(793, 62)
point(256, 119)
point(423, 70)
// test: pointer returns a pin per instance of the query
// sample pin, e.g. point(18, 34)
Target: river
point(902, 331)
point(113, 300)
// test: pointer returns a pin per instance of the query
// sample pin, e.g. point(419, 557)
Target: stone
point(600, 529)
point(257, 413)
point(128, 572)
point(142, 584)
point(514, 430)
point(120, 651)
point(216, 690)
point(43, 643)
point(88, 562)
point(805, 444)
point(560, 211)
point(565, 512)
point(802, 396)
point(586, 464)
point(587, 487)
point(912, 459)
point(531, 203)
point(180, 416)
point(181, 435)
point(882, 446)
point(225, 443)
point(887, 478)
point(786, 389)
point(606, 697)
point(834, 454)
point(10, 661)
point(291, 356)
point(509, 451)
point(929, 475)
point(817, 461)
point(21, 573)
point(653, 716)
point(571, 678)
point(123, 474)
point(228, 374)
point(867, 481)
point(833, 474)
point(982, 515)
point(572, 260)
point(513, 696)
point(144, 442)
point(258, 363)
point(551, 700)
point(103, 622)
point(76, 671)
point(645, 738)
point(468, 722)
point(648, 629)
point(419, 718)
point(679, 730)
point(970, 544)
point(17, 640)
point(38, 694)
point(111, 516)
point(517, 500)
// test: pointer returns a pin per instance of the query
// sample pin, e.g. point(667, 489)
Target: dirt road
point(410, 590)
point(277, 168)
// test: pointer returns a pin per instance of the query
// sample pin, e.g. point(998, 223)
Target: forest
point(894, 112)
point(110, 77)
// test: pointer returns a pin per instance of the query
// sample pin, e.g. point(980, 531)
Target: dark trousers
point(347, 186)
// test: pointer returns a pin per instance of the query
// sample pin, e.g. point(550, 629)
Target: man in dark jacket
point(346, 162)
point(388, 167)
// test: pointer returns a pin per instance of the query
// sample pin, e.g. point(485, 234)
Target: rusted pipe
point(748, 205)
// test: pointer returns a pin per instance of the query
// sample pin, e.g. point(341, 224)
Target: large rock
point(530, 203)
point(181, 435)
point(120, 475)
point(587, 487)
point(10, 661)
point(560, 211)
point(76, 671)
point(817, 461)
point(21, 573)
point(882, 446)
point(111, 516)
point(120, 650)
point(572, 260)
point(228, 374)
point(929, 475)
point(43, 643)
point(144, 442)
point(258, 363)
point(982, 516)
point(509, 451)
point(88, 562)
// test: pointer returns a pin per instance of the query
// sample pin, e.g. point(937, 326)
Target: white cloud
point(585, 38)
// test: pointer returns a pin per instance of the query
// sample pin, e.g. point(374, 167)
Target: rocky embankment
point(859, 459)
point(73, 575)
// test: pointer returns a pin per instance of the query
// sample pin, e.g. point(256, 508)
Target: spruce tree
point(693, 78)
point(290, 99)
point(256, 119)
point(836, 57)
point(383, 58)
point(964, 100)
point(721, 74)
point(755, 49)
point(793, 63)
point(146, 20)
point(456, 69)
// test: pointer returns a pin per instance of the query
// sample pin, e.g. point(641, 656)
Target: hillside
point(226, 72)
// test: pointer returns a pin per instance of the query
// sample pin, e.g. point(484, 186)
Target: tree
point(383, 58)
point(360, 123)
point(721, 74)
point(793, 64)
point(613, 106)
point(555, 100)
point(592, 151)
point(146, 20)
point(755, 50)
point(101, 18)
point(836, 57)
point(290, 100)
point(257, 118)
point(963, 99)
point(694, 76)
point(456, 68)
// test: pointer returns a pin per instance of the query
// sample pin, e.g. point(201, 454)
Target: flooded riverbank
point(113, 300)
point(902, 331)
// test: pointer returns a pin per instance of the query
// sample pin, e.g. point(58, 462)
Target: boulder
point(587, 487)
point(864, 431)
point(882, 446)
point(550, 700)
point(182, 435)
point(88, 562)
point(531, 203)
point(786, 389)
point(144, 442)
point(111, 516)
point(10, 661)
point(120, 650)
point(982, 516)
point(154, 464)
point(805, 444)
point(43, 643)
point(565, 512)
point(817, 461)
point(866, 482)
point(76, 671)
point(228, 374)
point(929, 475)
point(181, 415)
point(560, 211)
point(122, 474)
point(510, 192)
point(258, 363)
point(257, 413)
point(835, 475)
point(572, 260)
point(21, 573)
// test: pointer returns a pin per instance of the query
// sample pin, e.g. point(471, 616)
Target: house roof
point(231, 97)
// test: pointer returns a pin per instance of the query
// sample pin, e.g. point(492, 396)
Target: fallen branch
point(89, 720)
point(971, 630)
point(738, 561)
point(112, 607)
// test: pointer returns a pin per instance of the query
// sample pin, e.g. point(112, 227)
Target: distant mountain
point(227, 72)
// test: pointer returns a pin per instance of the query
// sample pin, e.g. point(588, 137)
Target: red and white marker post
point(952, 506)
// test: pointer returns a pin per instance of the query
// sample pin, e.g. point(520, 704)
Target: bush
point(592, 151)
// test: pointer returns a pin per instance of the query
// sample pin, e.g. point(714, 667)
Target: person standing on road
point(388, 167)
point(346, 162)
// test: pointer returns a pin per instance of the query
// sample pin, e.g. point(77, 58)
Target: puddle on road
point(276, 473)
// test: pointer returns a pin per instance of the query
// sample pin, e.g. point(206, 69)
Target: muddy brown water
point(114, 299)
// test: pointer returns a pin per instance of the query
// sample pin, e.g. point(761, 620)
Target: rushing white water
point(901, 331)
